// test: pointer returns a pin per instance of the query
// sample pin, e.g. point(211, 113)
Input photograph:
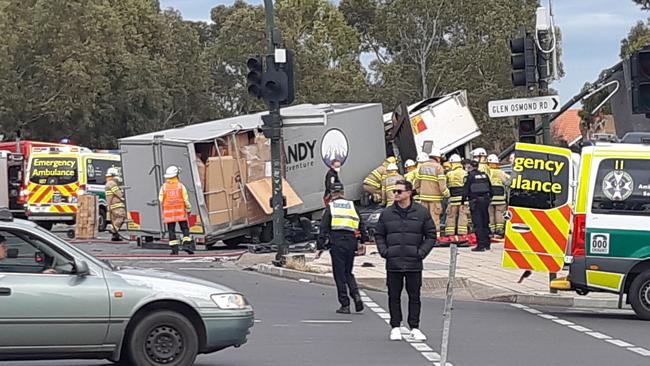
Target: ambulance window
point(539, 180)
point(96, 170)
point(622, 187)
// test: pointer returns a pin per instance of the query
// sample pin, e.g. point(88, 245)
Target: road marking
point(326, 321)
point(257, 321)
point(424, 349)
point(204, 269)
point(600, 336)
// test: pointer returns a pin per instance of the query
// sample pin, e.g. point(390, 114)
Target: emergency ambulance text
point(538, 164)
point(521, 181)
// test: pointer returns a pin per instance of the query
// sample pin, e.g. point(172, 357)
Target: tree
point(637, 38)
point(645, 4)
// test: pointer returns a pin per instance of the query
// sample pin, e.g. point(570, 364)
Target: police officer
point(343, 228)
point(478, 191)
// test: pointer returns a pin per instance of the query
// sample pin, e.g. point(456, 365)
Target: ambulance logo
point(334, 147)
point(618, 185)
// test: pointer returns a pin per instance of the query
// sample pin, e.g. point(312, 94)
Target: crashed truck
point(225, 165)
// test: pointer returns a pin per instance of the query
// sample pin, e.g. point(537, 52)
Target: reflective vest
point(497, 179)
point(431, 182)
point(173, 202)
point(344, 215)
point(456, 183)
point(375, 177)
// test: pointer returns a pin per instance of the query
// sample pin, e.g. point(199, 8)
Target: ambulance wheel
point(102, 219)
point(47, 225)
point(639, 295)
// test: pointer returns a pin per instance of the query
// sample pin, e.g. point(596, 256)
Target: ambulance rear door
point(539, 213)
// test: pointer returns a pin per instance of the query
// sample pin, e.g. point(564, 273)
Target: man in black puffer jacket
point(405, 234)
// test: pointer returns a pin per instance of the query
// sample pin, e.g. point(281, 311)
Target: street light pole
point(273, 130)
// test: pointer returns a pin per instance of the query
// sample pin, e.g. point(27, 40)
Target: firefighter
point(176, 207)
point(431, 185)
point(388, 184)
point(479, 154)
point(411, 170)
point(372, 183)
point(341, 231)
point(456, 223)
point(421, 159)
point(115, 201)
point(499, 180)
point(478, 191)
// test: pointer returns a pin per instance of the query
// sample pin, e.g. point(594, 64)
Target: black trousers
point(171, 228)
point(413, 285)
point(481, 220)
point(342, 253)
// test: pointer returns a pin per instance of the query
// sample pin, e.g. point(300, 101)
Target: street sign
point(524, 106)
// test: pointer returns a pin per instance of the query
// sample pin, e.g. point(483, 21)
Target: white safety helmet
point(455, 159)
point(392, 167)
point(435, 153)
point(172, 171)
point(493, 159)
point(422, 157)
point(409, 163)
point(479, 151)
point(112, 172)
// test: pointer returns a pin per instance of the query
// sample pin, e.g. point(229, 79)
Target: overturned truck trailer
point(225, 165)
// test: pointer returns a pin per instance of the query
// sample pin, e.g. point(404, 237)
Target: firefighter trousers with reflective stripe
point(457, 218)
point(185, 229)
point(435, 208)
point(118, 216)
point(497, 222)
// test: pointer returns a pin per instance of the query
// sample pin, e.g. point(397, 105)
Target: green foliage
point(637, 38)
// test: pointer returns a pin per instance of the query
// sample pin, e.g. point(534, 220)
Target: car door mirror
point(81, 268)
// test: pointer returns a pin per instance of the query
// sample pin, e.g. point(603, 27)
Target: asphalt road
point(296, 325)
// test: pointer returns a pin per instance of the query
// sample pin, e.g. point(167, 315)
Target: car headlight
point(230, 301)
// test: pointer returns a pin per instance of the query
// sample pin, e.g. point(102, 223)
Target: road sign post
point(524, 106)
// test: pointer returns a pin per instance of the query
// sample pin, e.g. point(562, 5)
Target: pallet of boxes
point(87, 223)
point(236, 180)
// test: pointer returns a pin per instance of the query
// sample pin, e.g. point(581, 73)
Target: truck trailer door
point(539, 210)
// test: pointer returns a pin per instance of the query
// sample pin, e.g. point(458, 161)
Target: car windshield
point(104, 264)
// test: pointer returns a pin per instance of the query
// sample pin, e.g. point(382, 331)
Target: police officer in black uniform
point(342, 226)
point(478, 191)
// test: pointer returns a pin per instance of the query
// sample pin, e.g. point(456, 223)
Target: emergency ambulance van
point(610, 243)
point(58, 175)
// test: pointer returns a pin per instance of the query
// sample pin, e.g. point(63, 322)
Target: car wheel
point(639, 295)
point(102, 219)
point(163, 338)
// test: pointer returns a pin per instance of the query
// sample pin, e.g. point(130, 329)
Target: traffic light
point(254, 76)
point(640, 81)
point(287, 68)
point(527, 132)
point(523, 60)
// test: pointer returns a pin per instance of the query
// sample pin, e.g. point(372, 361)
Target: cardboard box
point(262, 192)
point(225, 172)
point(236, 142)
point(257, 170)
point(200, 166)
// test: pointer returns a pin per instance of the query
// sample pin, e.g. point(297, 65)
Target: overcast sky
point(591, 29)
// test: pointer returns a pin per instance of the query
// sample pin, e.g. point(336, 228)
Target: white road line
point(639, 350)
point(619, 343)
point(257, 321)
point(519, 306)
point(326, 321)
point(424, 349)
point(600, 336)
point(203, 269)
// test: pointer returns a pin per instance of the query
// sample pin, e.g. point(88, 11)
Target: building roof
point(567, 126)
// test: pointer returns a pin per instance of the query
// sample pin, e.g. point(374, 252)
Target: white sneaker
point(417, 335)
point(395, 334)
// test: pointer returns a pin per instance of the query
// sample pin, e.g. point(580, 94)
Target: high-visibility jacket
point(344, 215)
point(483, 167)
point(375, 177)
point(455, 182)
point(410, 176)
point(175, 201)
point(114, 195)
point(431, 182)
point(498, 180)
point(387, 186)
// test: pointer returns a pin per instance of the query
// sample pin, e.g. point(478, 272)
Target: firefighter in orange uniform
point(176, 207)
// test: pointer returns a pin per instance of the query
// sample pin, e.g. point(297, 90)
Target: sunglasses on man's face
point(398, 191)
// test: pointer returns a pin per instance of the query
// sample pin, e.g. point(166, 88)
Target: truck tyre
point(267, 233)
point(47, 225)
point(102, 219)
point(233, 243)
point(639, 295)
point(163, 338)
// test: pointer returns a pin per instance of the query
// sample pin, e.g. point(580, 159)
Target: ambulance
point(56, 176)
point(592, 214)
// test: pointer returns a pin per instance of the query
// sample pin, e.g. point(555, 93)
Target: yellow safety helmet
point(391, 160)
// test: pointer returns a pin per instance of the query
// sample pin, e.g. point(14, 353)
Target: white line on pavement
point(600, 336)
point(326, 321)
point(422, 347)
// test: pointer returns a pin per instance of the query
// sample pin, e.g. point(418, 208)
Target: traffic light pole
point(274, 132)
